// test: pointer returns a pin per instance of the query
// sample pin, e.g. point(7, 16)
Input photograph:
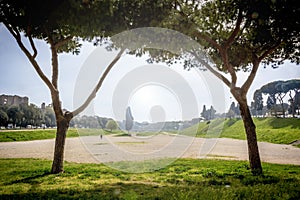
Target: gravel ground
point(92, 149)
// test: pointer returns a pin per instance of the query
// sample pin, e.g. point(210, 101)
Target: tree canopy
point(63, 25)
point(68, 20)
point(111, 125)
point(208, 114)
point(241, 32)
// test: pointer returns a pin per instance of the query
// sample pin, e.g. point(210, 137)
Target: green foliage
point(15, 115)
point(111, 125)
point(183, 179)
point(3, 118)
point(264, 29)
point(80, 19)
point(208, 114)
point(24, 115)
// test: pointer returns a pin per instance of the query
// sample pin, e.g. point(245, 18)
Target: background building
point(15, 100)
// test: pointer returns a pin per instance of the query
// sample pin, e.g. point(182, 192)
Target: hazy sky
point(154, 92)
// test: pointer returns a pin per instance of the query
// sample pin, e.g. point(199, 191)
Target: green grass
point(41, 134)
point(146, 134)
point(274, 130)
point(142, 142)
point(92, 132)
point(32, 134)
point(184, 179)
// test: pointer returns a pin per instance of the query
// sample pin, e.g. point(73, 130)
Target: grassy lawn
point(184, 179)
point(41, 134)
point(274, 130)
point(32, 134)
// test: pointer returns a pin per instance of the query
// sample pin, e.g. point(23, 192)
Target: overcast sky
point(154, 92)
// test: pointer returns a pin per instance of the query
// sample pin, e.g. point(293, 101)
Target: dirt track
point(92, 149)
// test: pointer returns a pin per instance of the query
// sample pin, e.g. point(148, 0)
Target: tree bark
point(61, 133)
point(250, 129)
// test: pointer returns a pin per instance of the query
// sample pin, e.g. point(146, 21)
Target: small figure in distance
point(101, 136)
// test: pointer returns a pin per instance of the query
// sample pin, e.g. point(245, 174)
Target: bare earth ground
point(92, 149)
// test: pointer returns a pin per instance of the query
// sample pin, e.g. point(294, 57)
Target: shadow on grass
point(183, 179)
point(30, 180)
point(231, 122)
point(211, 190)
point(277, 123)
point(122, 135)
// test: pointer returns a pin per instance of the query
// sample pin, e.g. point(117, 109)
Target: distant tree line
point(89, 122)
point(25, 115)
point(282, 97)
point(30, 116)
point(234, 111)
point(209, 114)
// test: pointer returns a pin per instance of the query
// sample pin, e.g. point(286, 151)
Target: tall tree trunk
point(283, 110)
point(292, 104)
point(250, 129)
point(61, 132)
point(253, 152)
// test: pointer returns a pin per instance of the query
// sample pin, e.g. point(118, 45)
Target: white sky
point(154, 92)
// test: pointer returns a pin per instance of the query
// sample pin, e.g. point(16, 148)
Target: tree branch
point(32, 46)
point(217, 74)
point(28, 32)
point(62, 42)
point(32, 60)
point(99, 84)
point(228, 66)
point(224, 48)
point(54, 66)
point(13, 31)
point(209, 40)
point(255, 61)
point(269, 51)
point(197, 33)
point(54, 59)
point(236, 30)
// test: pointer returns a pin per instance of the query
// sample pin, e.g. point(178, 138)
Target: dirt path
point(92, 149)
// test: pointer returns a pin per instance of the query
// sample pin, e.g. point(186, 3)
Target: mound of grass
point(278, 130)
point(274, 130)
point(184, 179)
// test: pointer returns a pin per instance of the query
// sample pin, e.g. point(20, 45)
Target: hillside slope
point(274, 130)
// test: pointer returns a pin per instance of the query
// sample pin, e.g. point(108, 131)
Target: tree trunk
point(61, 132)
point(253, 152)
point(283, 111)
point(292, 104)
point(250, 129)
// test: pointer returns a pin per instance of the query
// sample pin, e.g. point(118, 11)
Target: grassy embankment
point(184, 179)
point(273, 130)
